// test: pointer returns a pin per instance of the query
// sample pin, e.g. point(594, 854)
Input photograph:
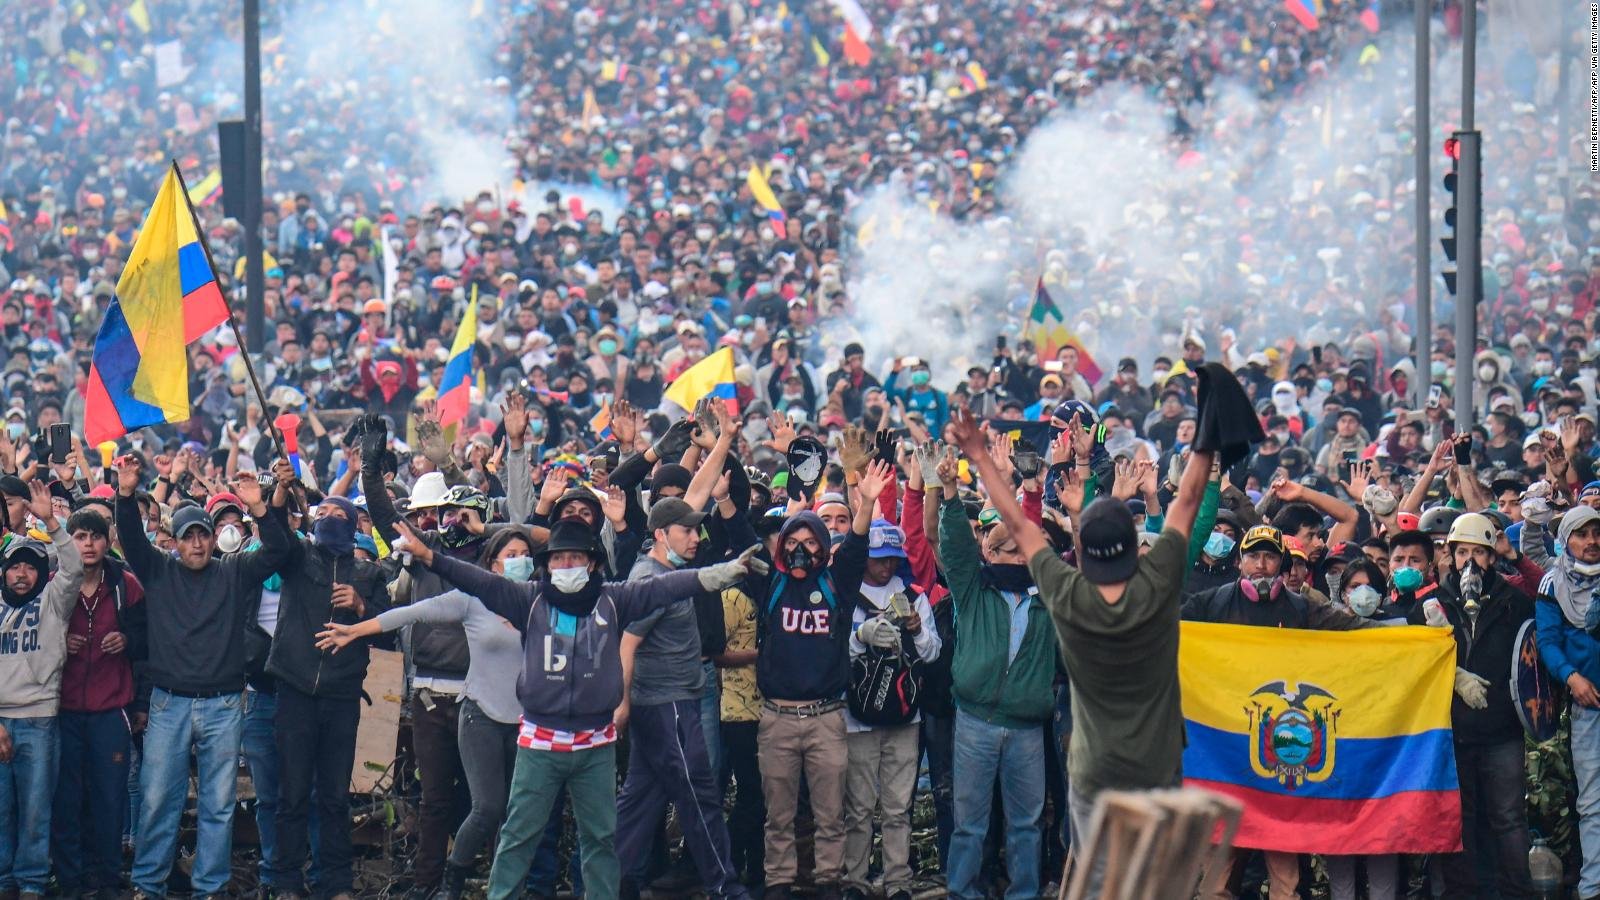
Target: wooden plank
point(380, 722)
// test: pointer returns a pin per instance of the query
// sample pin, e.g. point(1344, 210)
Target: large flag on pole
point(1334, 741)
point(710, 377)
point(166, 298)
point(455, 388)
point(1048, 330)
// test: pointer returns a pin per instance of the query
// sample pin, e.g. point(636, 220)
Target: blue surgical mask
point(1325, 385)
point(16, 430)
point(536, 427)
point(677, 561)
point(1218, 545)
point(518, 568)
point(921, 378)
point(1364, 600)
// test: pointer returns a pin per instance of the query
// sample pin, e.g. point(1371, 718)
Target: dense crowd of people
point(904, 544)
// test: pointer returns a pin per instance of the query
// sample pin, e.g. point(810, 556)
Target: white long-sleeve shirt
point(926, 640)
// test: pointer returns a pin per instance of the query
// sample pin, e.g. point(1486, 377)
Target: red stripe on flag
point(1407, 822)
point(101, 422)
point(203, 310)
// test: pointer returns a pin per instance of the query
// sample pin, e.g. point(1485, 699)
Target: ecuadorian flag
point(1334, 741)
point(767, 200)
point(710, 377)
point(455, 389)
point(166, 298)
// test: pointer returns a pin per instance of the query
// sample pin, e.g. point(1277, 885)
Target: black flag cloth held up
point(1228, 422)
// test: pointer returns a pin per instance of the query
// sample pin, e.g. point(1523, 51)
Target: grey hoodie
point(33, 638)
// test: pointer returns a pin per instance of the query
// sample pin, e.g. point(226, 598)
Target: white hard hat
point(428, 492)
point(1473, 528)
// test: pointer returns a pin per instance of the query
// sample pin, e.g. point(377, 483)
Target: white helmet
point(429, 492)
point(1473, 528)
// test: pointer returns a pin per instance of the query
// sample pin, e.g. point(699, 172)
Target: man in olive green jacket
point(1001, 679)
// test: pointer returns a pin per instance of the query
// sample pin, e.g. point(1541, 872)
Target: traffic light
point(1452, 179)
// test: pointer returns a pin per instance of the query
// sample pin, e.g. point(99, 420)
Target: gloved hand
point(928, 457)
point(879, 632)
point(727, 574)
point(374, 439)
point(1433, 614)
point(1536, 504)
point(670, 446)
point(1378, 500)
point(1473, 689)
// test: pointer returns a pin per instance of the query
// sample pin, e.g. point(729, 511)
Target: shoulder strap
point(826, 584)
point(778, 584)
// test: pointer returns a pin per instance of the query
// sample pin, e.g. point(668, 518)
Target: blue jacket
point(1563, 647)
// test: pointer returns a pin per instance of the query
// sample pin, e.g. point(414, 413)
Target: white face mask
point(1487, 373)
point(229, 538)
point(1543, 367)
point(571, 580)
point(1364, 600)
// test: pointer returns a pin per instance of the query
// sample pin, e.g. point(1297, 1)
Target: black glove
point(374, 438)
point(883, 446)
point(670, 446)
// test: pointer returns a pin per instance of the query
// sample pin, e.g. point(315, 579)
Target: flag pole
point(244, 350)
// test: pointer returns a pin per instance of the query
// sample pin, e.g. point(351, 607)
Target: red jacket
point(93, 680)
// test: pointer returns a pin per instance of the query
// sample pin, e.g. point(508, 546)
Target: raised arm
point(964, 431)
point(142, 556)
point(711, 468)
point(379, 504)
point(503, 597)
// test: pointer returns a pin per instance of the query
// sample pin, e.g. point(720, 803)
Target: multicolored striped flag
point(1048, 330)
point(166, 299)
point(767, 200)
point(1334, 741)
point(455, 388)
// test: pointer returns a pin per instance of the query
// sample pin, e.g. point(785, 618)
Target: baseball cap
point(222, 501)
point(670, 511)
point(1262, 537)
point(885, 539)
point(1108, 546)
point(191, 517)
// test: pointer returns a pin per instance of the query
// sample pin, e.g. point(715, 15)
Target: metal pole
point(1469, 61)
point(1424, 140)
point(1469, 273)
point(255, 277)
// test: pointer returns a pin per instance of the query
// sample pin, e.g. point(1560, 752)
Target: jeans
point(1492, 781)
point(488, 754)
point(711, 717)
point(668, 764)
point(590, 777)
point(91, 800)
point(938, 737)
point(984, 751)
point(433, 737)
point(316, 743)
point(746, 844)
point(27, 789)
point(212, 727)
point(1586, 769)
point(261, 756)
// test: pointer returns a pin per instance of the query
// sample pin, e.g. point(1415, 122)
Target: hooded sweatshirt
point(805, 623)
point(33, 638)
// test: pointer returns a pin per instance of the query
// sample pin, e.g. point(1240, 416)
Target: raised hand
point(783, 434)
point(430, 437)
point(127, 476)
point(1127, 484)
point(704, 433)
point(884, 446)
point(419, 551)
point(374, 437)
point(928, 457)
point(1070, 489)
point(854, 452)
point(876, 480)
point(248, 491)
point(965, 433)
point(40, 504)
point(670, 446)
point(1000, 446)
point(163, 465)
point(1288, 490)
point(514, 415)
point(180, 463)
point(614, 504)
point(625, 423)
point(948, 470)
point(555, 484)
point(1145, 471)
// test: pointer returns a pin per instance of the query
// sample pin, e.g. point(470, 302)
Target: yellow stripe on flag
point(702, 378)
point(139, 15)
point(760, 189)
point(151, 294)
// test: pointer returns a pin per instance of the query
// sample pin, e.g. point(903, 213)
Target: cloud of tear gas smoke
point(411, 87)
point(1145, 240)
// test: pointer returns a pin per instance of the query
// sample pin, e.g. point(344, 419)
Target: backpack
point(886, 685)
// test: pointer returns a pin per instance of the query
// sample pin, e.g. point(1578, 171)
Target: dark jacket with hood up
point(803, 624)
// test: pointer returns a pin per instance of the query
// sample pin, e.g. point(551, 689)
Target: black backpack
point(886, 685)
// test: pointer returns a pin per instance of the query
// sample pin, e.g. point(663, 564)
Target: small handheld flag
point(710, 377)
point(455, 389)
